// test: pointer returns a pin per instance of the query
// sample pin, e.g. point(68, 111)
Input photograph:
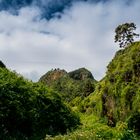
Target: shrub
point(134, 122)
point(31, 110)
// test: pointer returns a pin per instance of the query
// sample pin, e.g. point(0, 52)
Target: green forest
point(73, 105)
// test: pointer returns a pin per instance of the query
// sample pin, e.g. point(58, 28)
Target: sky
point(66, 34)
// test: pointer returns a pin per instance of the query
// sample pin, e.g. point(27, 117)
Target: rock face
point(52, 76)
point(78, 83)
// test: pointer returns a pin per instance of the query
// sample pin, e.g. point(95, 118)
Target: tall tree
point(125, 34)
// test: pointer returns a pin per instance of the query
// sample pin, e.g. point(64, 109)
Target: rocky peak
point(81, 74)
point(52, 75)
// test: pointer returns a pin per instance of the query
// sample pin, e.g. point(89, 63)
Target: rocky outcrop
point(78, 83)
point(81, 74)
point(53, 75)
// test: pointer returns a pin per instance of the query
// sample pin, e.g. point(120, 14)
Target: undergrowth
point(93, 128)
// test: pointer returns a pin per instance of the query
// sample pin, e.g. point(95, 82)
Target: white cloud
point(82, 37)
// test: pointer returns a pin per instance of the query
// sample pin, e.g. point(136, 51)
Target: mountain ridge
point(114, 101)
point(72, 84)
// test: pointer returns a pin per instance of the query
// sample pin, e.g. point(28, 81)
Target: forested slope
point(30, 110)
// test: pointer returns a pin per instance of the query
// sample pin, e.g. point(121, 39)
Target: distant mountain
point(81, 74)
point(78, 83)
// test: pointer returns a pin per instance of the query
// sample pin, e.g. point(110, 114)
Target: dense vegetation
point(112, 110)
point(72, 86)
point(95, 128)
point(109, 109)
point(120, 88)
point(117, 96)
point(115, 100)
point(30, 111)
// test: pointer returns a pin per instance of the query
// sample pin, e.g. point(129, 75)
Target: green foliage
point(29, 110)
point(91, 104)
point(125, 34)
point(78, 83)
point(119, 90)
point(81, 74)
point(94, 128)
point(113, 103)
point(134, 122)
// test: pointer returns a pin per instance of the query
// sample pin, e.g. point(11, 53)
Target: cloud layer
point(82, 36)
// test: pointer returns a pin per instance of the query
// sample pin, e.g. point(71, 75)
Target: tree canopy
point(29, 110)
point(125, 34)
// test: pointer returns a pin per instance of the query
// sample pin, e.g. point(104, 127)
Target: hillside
point(117, 95)
point(109, 109)
point(112, 110)
point(30, 110)
point(121, 87)
point(79, 83)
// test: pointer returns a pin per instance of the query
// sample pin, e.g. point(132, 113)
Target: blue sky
point(39, 36)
